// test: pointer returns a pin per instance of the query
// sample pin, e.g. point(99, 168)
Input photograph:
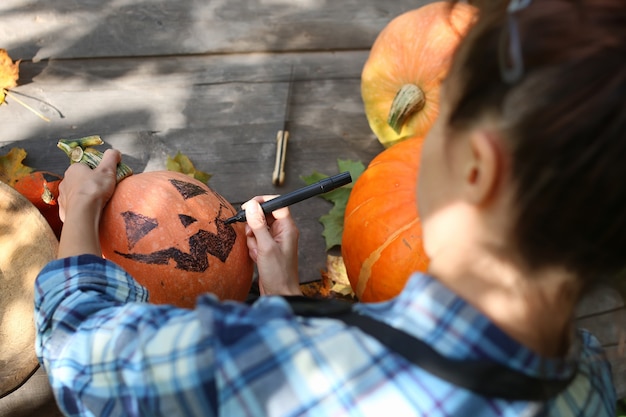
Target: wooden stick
point(278, 176)
point(41, 116)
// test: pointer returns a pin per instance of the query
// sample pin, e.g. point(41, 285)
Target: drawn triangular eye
point(187, 189)
point(137, 226)
point(186, 220)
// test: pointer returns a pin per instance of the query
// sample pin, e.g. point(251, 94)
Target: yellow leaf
point(12, 168)
point(182, 163)
point(9, 73)
point(172, 165)
point(338, 275)
point(334, 282)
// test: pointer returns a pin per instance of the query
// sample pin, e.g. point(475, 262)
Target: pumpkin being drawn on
point(409, 59)
point(382, 237)
point(167, 230)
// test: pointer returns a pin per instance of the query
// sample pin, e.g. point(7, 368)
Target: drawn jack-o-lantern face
point(167, 230)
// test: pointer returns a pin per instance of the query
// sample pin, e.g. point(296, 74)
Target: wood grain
point(40, 29)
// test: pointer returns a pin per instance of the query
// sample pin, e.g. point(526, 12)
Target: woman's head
point(560, 111)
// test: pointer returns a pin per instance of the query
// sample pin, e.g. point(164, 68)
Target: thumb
point(110, 159)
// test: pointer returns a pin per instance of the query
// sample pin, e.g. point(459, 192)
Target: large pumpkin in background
point(167, 230)
point(382, 235)
point(401, 78)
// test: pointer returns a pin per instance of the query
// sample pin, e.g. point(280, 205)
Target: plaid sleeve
point(80, 278)
point(107, 352)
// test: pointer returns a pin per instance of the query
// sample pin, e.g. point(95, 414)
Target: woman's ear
point(485, 166)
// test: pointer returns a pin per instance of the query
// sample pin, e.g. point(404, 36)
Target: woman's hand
point(273, 246)
point(83, 193)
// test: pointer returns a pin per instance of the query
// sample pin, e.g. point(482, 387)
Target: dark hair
point(565, 120)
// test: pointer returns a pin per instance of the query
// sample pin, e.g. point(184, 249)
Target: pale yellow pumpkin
point(411, 56)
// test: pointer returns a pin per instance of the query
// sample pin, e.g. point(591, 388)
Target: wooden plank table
point(210, 79)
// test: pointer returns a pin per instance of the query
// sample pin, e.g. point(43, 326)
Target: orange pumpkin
point(382, 236)
point(409, 59)
point(42, 189)
point(167, 230)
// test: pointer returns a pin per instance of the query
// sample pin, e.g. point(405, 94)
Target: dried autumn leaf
point(12, 168)
point(182, 163)
point(316, 289)
point(338, 275)
point(9, 73)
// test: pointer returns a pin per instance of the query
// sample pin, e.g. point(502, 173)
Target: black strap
point(490, 379)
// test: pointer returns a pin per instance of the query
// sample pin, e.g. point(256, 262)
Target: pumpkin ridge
point(366, 268)
point(353, 210)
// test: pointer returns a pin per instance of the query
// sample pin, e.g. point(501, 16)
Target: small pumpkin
point(409, 59)
point(42, 189)
point(382, 236)
point(167, 230)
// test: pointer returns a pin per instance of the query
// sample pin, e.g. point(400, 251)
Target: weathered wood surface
point(104, 28)
point(206, 78)
point(222, 111)
point(209, 79)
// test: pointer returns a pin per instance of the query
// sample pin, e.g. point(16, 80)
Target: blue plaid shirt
point(109, 353)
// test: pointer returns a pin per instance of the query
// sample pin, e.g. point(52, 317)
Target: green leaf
point(333, 221)
point(333, 224)
point(314, 177)
point(621, 408)
point(356, 168)
point(202, 176)
point(182, 163)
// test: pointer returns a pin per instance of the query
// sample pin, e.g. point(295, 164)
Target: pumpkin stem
point(80, 151)
point(47, 196)
point(409, 99)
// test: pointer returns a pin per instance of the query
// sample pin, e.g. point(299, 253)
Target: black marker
point(320, 187)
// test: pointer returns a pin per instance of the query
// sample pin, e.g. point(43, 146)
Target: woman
point(522, 204)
